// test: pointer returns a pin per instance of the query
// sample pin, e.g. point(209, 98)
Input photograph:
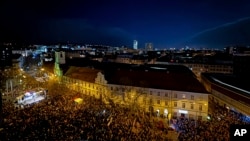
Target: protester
point(215, 129)
point(59, 118)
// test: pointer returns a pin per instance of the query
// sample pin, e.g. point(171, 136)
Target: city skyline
point(165, 24)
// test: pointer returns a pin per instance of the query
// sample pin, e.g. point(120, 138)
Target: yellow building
point(168, 92)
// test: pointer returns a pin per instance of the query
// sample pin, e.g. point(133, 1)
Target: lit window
point(192, 106)
point(159, 93)
point(150, 92)
point(183, 96)
point(192, 97)
point(175, 95)
point(166, 94)
point(158, 102)
point(200, 107)
point(166, 103)
point(175, 104)
point(151, 101)
point(183, 105)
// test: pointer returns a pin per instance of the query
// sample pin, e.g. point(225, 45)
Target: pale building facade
point(160, 101)
point(165, 103)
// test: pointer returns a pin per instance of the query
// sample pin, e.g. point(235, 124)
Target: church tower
point(59, 60)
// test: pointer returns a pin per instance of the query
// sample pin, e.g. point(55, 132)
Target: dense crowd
point(217, 128)
point(59, 118)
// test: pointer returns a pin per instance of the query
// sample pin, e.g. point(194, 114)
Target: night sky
point(165, 23)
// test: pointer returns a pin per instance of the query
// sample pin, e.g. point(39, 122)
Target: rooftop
point(168, 77)
point(82, 73)
point(230, 81)
point(233, 86)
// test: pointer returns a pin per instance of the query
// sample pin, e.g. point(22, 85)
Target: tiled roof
point(155, 79)
point(175, 77)
point(82, 73)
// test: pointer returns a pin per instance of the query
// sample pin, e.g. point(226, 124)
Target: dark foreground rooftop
point(168, 77)
point(231, 86)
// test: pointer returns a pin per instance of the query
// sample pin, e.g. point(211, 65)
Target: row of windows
point(175, 95)
point(81, 84)
point(166, 94)
point(210, 66)
point(175, 104)
point(225, 70)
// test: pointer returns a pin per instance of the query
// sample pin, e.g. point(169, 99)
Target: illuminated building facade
point(159, 93)
point(59, 61)
point(135, 44)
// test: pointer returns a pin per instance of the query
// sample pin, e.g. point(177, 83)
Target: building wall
point(166, 103)
point(96, 90)
point(135, 45)
point(60, 57)
point(200, 68)
point(174, 103)
point(223, 100)
point(230, 103)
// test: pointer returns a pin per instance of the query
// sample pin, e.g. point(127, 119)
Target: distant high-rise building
point(135, 45)
point(149, 46)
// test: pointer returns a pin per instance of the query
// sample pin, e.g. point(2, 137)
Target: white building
point(135, 45)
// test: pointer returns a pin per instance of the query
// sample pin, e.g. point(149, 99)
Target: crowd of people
point(217, 128)
point(60, 118)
